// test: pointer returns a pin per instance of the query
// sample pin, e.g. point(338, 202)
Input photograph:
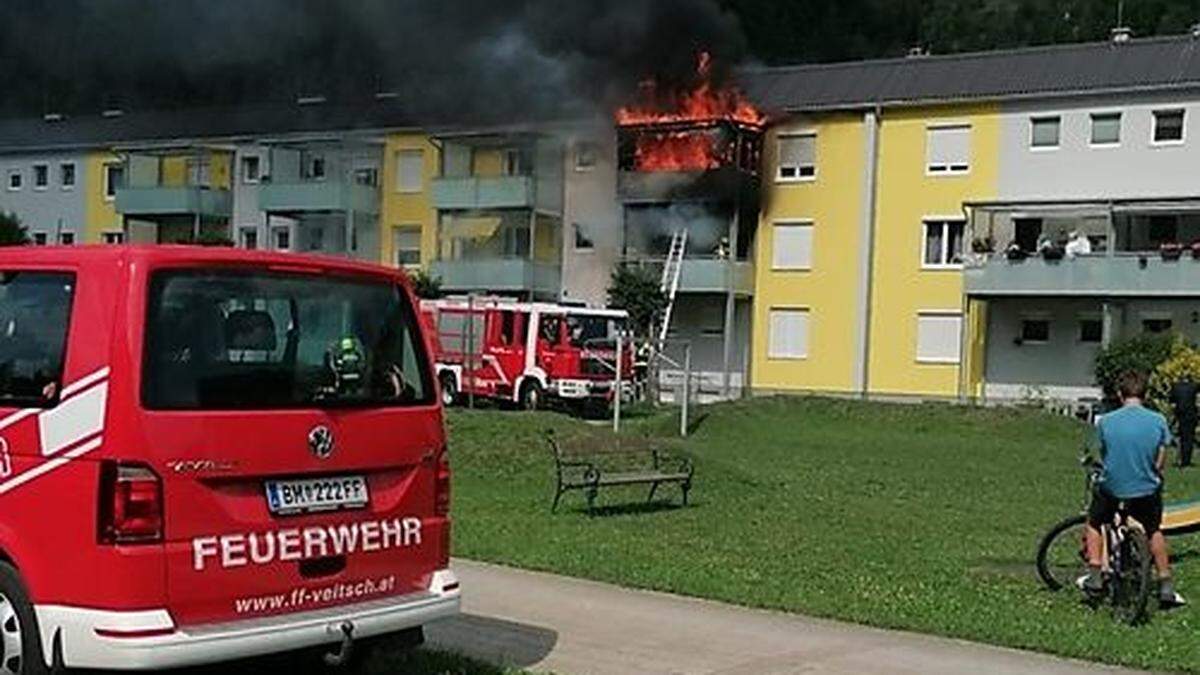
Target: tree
point(425, 285)
point(1142, 353)
point(636, 290)
point(12, 232)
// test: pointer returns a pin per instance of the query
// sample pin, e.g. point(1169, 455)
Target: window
point(406, 245)
point(40, 239)
point(938, 337)
point(1156, 324)
point(582, 241)
point(515, 162)
point(251, 169)
point(41, 176)
point(15, 179)
point(1163, 229)
point(1028, 233)
point(586, 156)
point(66, 238)
point(1044, 132)
point(1091, 330)
point(248, 339)
point(113, 237)
point(797, 157)
point(114, 178)
point(1035, 331)
point(948, 150)
point(313, 166)
point(409, 170)
point(281, 238)
point(36, 308)
point(1106, 129)
point(66, 175)
point(368, 176)
point(248, 238)
point(943, 243)
point(1168, 126)
point(792, 248)
point(789, 334)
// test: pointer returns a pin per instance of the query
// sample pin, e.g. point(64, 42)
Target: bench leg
point(686, 486)
point(557, 496)
point(653, 489)
point(591, 499)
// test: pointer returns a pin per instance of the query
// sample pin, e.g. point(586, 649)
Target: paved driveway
point(550, 623)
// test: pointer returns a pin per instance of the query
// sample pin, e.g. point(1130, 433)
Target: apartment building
point(900, 185)
point(897, 228)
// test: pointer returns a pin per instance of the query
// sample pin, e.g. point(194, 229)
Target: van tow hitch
point(342, 656)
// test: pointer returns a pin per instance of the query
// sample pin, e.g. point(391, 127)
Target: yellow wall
point(100, 213)
point(487, 163)
point(833, 202)
point(220, 169)
point(906, 196)
point(408, 208)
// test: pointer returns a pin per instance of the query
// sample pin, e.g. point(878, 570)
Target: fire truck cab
point(525, 353)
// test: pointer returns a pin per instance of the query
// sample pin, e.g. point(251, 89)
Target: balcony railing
point(314, 195)
point(1121, 274)
point(705, 274)
point(499, 192)
point(181, 200)
point(502, 275)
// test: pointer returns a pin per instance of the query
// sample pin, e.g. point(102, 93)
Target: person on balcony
point(1078, 244)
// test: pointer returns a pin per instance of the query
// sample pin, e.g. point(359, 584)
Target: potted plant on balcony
point(1171, 251)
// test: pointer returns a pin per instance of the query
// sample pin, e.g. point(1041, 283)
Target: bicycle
point(1128, 569)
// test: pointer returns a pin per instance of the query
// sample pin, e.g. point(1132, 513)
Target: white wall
point(590, 200)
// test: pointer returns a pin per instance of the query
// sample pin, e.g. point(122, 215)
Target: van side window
point(35, 309)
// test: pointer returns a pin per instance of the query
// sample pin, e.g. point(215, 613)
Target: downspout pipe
point(872, 120)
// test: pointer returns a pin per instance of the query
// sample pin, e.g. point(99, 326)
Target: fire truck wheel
point(531, 396)
point(20, 643)
point(449, 389)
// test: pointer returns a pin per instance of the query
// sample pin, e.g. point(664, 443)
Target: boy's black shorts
point(1147, 510)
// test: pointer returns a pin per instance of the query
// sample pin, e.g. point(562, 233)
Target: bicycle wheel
point(1062, 553)
point(1133, 579)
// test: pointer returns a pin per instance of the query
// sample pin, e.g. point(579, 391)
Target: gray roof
point(1135, 65)
point(25, 134)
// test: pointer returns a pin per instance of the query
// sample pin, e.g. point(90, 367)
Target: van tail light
point(131, 504)
point(441, 487)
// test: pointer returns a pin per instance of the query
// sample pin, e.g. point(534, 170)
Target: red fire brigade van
point(208, 454)
point(524, 352)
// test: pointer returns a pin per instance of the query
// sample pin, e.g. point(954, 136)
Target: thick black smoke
point(447, 59)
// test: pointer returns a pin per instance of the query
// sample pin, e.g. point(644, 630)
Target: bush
point(1142, 353)
point(12, 232)
point(1183, 363)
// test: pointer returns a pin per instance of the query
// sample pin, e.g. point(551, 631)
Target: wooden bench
point(576, 473)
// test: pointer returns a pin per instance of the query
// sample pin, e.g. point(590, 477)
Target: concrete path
point(571, 627)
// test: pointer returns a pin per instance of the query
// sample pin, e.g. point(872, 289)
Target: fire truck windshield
point(221, 340)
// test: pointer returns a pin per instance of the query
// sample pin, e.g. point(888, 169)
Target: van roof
point(180, 254)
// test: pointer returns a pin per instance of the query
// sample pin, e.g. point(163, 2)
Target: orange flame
point(687, 149)
point(704, 103)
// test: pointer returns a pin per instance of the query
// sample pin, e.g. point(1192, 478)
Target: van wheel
point(20, 641)
point(449, 389)
point(531, 396)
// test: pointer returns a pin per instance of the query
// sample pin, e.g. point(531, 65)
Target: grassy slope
point(916, 517)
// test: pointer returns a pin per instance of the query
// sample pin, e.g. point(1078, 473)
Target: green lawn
point(916, 517)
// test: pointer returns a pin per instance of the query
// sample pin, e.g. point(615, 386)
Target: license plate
point(317, 494)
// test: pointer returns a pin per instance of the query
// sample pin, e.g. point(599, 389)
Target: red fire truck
point(525, 352)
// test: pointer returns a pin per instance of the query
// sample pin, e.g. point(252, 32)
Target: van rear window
point(249, 339)
point(35, 308)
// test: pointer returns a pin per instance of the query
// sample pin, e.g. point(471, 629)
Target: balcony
point(181, 200)
point(707, 275)
point(500, 275)
point(337, 196)
point(1123, 274)
point(472, 193)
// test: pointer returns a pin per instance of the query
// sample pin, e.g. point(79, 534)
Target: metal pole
point(617, 384)
point(687, 389)
point(470, 360)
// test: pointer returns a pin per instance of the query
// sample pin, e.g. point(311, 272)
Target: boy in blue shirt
point(1133, 444)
